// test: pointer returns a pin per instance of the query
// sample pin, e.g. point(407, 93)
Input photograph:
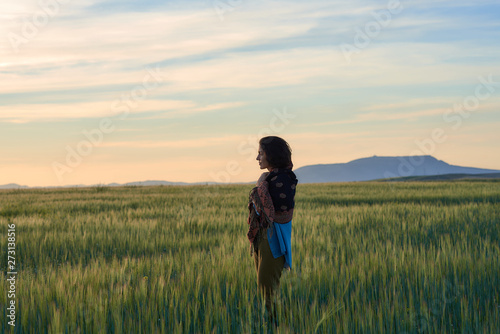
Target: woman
point(271, 205)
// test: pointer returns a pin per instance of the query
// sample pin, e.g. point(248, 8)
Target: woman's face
point(261, 157)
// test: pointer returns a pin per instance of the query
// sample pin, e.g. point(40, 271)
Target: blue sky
point(185, 88)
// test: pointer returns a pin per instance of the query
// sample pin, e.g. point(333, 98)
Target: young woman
point(271, 205)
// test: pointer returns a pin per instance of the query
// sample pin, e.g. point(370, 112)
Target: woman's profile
point(271, 206)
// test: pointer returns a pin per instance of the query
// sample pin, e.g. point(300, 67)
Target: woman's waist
point(283, 217)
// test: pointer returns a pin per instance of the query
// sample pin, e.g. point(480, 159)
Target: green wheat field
point(416, 257)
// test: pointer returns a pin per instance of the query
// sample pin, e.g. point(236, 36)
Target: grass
point(367, 258)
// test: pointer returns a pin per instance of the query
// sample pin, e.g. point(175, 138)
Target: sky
point(102, 91)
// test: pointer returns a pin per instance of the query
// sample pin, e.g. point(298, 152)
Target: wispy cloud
point(24, 113)
point(190, 143)
point(57, 112)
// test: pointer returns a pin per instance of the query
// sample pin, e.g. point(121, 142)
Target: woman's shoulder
point(281, 175)
point(262, 178)
point(282, 178)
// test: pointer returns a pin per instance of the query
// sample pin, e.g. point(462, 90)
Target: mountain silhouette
point(375, 167)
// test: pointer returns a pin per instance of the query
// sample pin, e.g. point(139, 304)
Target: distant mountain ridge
point(374, 168)
point(136, 184)
point(445, 177)
point(364, 169)
point(13, 186)
point(143, 183)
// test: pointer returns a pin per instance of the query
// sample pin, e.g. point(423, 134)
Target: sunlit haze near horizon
point(97, 91)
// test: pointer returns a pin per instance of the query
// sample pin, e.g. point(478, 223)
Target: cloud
point(145, 37)
point(187, 143)
point(113, 50)
point(410, 111)
point(24, 113)
point(188, 112)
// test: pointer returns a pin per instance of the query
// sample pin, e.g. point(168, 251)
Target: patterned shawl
point(272, 200)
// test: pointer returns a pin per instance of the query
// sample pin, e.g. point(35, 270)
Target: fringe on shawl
point(259, 224)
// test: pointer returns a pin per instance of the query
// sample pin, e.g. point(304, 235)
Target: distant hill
point(139, 183)
point(446, 177)
point(375, 168)
point(151, 183)
point(406, 168)
point(13, 186)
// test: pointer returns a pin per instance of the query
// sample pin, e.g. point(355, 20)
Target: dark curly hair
point(278, 152)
